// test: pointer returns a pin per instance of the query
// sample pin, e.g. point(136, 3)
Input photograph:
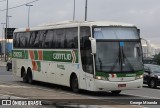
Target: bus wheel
point(30, 78)
point(116, 92)
point(74, 84)
point(25, 79)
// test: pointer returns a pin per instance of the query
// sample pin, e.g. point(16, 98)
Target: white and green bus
point(90, 55)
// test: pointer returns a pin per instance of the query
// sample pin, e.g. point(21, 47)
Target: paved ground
point(17, 91)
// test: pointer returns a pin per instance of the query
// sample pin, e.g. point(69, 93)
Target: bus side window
point(27, 39)
point(32, 39)
point(16, 40)
point(71, 38)
point(23, 40)
point(59, 38)
point(42, 36)
point(85, 46)
point(36, 41)
point(49, 39)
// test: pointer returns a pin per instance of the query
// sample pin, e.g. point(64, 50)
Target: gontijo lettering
point(61, 56)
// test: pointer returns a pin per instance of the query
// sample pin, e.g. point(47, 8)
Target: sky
point(145, 14)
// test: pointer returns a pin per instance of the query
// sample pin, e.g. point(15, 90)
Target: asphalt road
point(6, 77)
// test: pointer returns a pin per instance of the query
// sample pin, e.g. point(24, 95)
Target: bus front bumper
point(102, 85)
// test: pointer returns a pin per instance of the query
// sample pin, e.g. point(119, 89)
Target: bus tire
point(74, 84)
point(30, 77)
point(25, 78)
point(116, 92)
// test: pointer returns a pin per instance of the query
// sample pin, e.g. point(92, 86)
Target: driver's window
point(85, 46)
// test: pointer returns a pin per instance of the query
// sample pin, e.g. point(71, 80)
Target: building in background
point(153, 50)
point(157, 50)
point(149, 50)
point(146, 47)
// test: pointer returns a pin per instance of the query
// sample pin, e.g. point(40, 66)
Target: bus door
point(86, 57)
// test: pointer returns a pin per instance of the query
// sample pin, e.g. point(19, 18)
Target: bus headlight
point(139, 76)
point(101, 78)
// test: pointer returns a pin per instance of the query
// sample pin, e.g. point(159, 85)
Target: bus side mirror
point(93, 45)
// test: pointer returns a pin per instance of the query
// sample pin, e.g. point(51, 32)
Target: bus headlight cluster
point(101, 78)
point(139, 76)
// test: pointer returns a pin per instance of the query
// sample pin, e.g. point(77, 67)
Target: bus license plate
point(121, 85)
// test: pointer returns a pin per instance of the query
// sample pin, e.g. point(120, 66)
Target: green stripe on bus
point(47, 55)
point(59, 56)
point(26, 54)
point(105, 74)
point(139, 73)
point(35, 55)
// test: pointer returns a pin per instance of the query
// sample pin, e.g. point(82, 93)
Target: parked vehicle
point(151, 75)
point(9, 65)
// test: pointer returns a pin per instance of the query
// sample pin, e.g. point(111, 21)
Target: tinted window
point(85, 45)
point(56, 38)
point(71, 38)
point(40, 40)
point(59, 38)
point(33, 36)
point(16, 41)
point(48, 41)
point(23, 40)
point(27, 35)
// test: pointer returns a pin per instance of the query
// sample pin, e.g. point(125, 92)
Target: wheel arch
point(71, 76)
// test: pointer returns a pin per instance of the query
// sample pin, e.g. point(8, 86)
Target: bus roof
point(68, 24)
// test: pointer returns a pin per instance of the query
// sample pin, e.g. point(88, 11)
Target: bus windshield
point(117, 55)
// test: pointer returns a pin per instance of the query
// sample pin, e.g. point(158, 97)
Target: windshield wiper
point(124, 57)
point(118, 59)
point(121, 58)
point(100, 62)
point(114, 65)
